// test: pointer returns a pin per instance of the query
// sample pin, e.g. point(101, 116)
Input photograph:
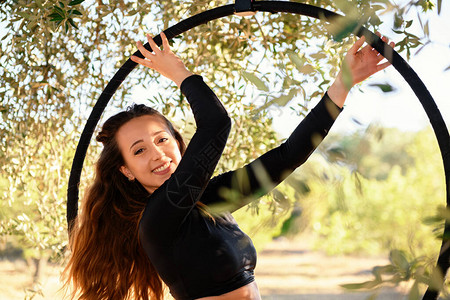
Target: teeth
point(162, 168)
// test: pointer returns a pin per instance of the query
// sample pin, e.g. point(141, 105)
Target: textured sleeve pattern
point(169, 205)
point(232, 190)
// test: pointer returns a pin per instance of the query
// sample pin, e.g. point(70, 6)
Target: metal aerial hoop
point(245, 7)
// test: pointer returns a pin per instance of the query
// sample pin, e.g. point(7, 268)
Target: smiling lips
point(162, 169)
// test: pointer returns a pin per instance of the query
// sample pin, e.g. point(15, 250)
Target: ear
point(125, 171)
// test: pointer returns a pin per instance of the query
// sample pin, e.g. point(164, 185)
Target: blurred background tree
point(355, 210)
point(57, 57)
point(387, 198)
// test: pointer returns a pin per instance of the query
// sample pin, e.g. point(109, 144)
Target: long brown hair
point(107, 260)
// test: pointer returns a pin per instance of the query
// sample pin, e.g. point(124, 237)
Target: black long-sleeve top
point(194, 254)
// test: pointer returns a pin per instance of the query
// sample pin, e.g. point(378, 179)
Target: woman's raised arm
point(171, 203)
point(234, 189)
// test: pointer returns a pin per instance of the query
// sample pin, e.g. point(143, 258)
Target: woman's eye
point(162, 140)
point(138, 151)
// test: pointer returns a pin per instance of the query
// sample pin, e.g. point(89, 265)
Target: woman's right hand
point(164, 61)
point(358, 65)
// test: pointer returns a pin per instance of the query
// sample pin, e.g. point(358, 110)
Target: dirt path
point(286, 270)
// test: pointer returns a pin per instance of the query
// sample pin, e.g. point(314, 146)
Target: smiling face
point(150, 152)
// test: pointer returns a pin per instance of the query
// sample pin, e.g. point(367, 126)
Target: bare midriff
point(247, 292)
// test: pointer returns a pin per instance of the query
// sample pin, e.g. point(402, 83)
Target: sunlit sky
point(401, 108)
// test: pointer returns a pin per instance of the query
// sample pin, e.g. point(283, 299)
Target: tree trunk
point(40, 267)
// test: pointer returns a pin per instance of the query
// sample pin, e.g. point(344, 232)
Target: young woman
point(154, 217)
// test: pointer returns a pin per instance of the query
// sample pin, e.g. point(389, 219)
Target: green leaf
point(132, 12)
point(285, 99)
point(436, 279)
point(61, 4)
point(296, 59)
point(399, 260)
point(398, 21)
point(280, 198)
point(55, 15)
point(432, 220)
point(364, 285)
point(31, 24)
point(384, 87)
point(318, 55)
point(59, 18)
point(75, 12)
point(439, 6)
point(342, 29)
point(260, 85)
point(75, 2)
point(378, 271)
point(377, 7)
point(72, 23)
point(24, 14)
point(426, 29)
point(375, 20)
point(307, 69)
point(336, 154)
point(443, 212)
point(36, 85)
point(59, 10)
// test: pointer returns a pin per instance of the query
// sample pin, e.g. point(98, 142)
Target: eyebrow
point(137, 142)
point(141, 140)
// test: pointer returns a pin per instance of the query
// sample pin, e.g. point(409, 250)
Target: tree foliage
point(353, 212)
point(372, 153)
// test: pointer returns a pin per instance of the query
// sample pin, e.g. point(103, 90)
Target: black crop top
point(195, 255)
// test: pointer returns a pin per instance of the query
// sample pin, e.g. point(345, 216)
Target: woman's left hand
point(357, 66)
point(363, 63)
point(164, 61)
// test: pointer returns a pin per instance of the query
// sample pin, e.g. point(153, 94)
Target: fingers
point(372, 54)
point(383, 66)
point(146, 53)
point(148, 56)
point(386, 40)
point(152, 44)
point(371, 49)
point(357, 45)
point(364, 61)
point(387, 52)
point(165, 42)
point(141, 61)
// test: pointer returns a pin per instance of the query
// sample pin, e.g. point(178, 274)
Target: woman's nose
point(157, 153)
